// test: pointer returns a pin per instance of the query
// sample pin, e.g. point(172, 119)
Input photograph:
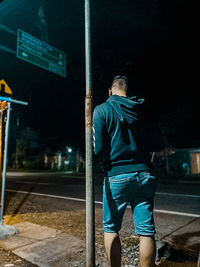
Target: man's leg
point(115, 201)
point(113, 248)
point(143, 218)
point(147, 251)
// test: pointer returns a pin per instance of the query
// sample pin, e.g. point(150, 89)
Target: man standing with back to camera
point(119, 142)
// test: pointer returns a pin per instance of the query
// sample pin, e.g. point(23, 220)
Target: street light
point(69, 150)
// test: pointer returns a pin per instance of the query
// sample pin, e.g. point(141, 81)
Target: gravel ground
point(69, 217)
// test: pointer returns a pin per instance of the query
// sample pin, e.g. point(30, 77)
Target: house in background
point(195, 161)
point(178, 161)
point(71, 161)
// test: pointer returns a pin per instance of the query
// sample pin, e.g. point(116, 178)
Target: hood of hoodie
point(127, 108)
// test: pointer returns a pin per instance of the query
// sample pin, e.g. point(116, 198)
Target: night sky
point(153, 43)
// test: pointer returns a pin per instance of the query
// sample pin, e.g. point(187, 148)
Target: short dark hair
point(120, 77)
point(121, 81)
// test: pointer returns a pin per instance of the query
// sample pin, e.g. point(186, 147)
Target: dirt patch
point(7, 257)
point(67, 216)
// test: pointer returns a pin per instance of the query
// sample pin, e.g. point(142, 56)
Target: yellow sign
point(5, 88)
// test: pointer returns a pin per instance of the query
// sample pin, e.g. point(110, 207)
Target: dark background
point(153, 43)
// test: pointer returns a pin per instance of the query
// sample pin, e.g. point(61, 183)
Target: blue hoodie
point(119, 135)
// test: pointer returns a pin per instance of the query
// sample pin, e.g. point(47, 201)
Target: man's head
point(119, 86)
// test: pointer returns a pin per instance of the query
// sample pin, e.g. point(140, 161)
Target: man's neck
point(120, 94)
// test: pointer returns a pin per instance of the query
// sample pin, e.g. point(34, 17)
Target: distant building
point(195, 161)
point(185, 161)
point(72, 161)
point(55, 161)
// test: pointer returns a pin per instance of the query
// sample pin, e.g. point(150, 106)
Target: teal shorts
point(136, 189)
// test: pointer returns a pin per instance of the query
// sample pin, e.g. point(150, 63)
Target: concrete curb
point(6, 231)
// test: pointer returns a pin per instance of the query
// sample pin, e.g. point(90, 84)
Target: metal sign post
point(90, 211)
point(9, 100)
point(4, 164)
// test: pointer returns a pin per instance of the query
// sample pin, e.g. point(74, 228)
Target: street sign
point(4, 88)
point(41, 54)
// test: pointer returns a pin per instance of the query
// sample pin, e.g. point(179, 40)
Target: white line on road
point(188, 182)
point(177, 195)
point(177, 213)
point(46, 195)
point(74, 177)
point(29, 174)
point(22, 174)
point(25, 182)
point(99, 202)
point(157, 193)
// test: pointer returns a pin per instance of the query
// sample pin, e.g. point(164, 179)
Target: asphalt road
point(181, 198)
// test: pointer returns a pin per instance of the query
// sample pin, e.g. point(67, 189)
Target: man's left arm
point(100, 135)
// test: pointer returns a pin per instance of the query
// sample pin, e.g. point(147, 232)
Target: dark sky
point(153, 42)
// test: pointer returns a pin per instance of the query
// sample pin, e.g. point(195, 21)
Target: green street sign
point(41, 54)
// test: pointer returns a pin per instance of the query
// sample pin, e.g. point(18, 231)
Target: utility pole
point(166, 159)
point(90, 211)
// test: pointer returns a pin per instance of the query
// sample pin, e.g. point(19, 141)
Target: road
point(181, 198)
